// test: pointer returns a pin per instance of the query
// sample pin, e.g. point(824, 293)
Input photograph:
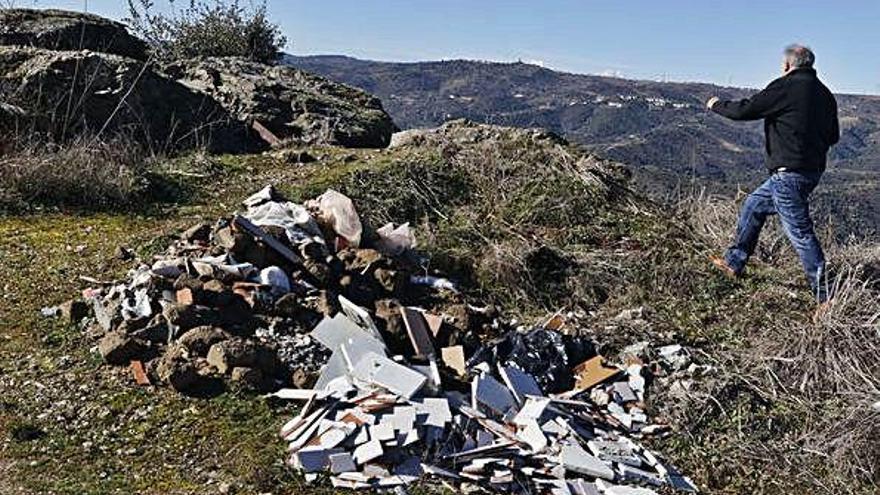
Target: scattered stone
point(199, 340)
point(197, 233)
point(231, 354)
point(119, 349)
point(251, 378)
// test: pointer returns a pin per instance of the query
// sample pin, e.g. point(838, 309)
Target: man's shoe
point(821, 310)
point(721, 264)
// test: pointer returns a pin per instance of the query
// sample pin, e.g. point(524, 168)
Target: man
point(800, 125)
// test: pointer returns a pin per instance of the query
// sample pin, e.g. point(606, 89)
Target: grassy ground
point(69, 425)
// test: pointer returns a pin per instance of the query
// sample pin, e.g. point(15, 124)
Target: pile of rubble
point(398, 380)
point(375, 421)
point(236, 300)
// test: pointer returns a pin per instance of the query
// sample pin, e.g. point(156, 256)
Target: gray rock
point(292, 104)
point(231, 354)
point(235, 353)
point(176, 370)
point(251, 378)
point(117, 348)
point(156, 109)
point(65, 30)
point(199, 232)
point(199, 340)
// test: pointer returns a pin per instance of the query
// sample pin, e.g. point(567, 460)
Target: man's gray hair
point(799, 56)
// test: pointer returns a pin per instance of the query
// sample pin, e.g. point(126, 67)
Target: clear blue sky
point(729, 42)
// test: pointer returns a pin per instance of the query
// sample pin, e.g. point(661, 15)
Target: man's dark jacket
point(800, 120)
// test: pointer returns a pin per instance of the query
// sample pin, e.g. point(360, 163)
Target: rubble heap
point(377, 421)
point(234, 301)
point(398, 379)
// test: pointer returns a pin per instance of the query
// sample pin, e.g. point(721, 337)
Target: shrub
point(208, 28)
point(82, 173)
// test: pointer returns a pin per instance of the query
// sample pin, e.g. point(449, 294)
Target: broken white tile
point(488, 392)
point(361, 437)
point(623, 393)
point(313, 459)
point(338, 482)
point(617, 411)
point(368, 451)
point(294, 394)
point(578, 460)
point(409, 438)
point(360, 317)
point(438, 471)
point(520, 383)
point(532, 410)
point(354, 476)
point(382, 432)
point(332, 332)
point(436, 409)
point(532, 436)
point(630, 473)
point(373, 470)
point(332, 437)
point(392, 376)
point(582, 487)
point(342, 463)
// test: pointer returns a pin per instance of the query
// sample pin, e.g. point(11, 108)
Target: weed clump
point(84, 173)
point(208, 28)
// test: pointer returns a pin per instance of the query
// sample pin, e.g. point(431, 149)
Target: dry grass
point(82, 173)
point(795, 400)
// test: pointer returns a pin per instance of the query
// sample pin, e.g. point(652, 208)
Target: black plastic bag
point(547, 355)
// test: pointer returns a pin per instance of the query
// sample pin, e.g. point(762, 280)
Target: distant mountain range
point(661, 130)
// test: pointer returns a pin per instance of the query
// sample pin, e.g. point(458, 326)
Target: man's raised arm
point(759, 106)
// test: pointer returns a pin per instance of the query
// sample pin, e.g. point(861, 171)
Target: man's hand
point(712, 102)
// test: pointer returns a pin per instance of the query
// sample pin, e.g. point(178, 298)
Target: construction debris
point(392, 365)
point(238, 300)
point(374, 423)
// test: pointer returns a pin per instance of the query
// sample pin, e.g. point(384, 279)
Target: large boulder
point(64, 30)
point(293, 105)
point(69, 93)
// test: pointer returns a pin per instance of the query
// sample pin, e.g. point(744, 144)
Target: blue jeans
point(786, 194)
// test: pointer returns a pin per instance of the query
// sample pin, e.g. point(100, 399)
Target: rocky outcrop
point(68, 93)
point(292, 104)
point(67, 74)
point(64, 30)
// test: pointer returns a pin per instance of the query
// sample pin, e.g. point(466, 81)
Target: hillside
point(153, 305)
point(661, 130)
